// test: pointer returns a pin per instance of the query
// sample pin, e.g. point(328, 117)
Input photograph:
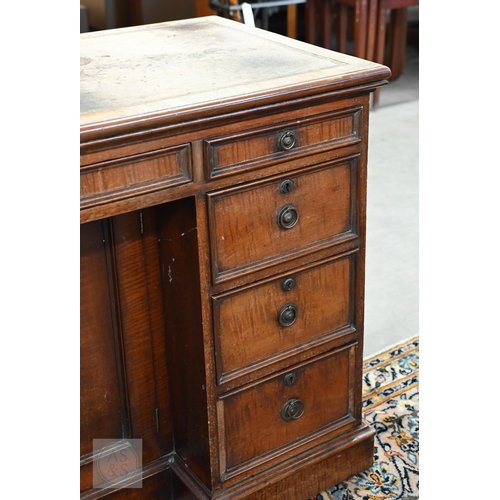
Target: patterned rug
point(390, 406)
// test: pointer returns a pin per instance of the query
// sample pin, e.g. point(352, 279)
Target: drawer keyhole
point(288, 284)
point(290, 379)
point(287, 186)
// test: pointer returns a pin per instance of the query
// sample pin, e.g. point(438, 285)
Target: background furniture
point(321, 12)
point(84, 19)
point(397, 36)
point(371, 40)
point(203, 9)
point(222, 260)
point(232, 10)
point(109, 14)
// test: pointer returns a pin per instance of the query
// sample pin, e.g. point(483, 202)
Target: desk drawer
point(266, 221)
point(309, 400)
point(286, 314)
point(290, 139)
point(133, 175)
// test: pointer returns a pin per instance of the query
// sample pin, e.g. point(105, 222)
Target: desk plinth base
point(301, 478)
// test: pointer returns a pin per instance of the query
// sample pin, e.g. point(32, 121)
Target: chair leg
point(380, 44)
point(327, 24)
point(397, 41)
point(236, 14)
point(360, 27)
point(381, 31)
point(342, 28)
point(371, 30)
point(291, 20)
point(311, 11)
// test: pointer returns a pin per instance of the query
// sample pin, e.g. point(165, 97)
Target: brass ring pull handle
point(287, 140)
point(293, 409)
point(288, 315)
point(287, 217)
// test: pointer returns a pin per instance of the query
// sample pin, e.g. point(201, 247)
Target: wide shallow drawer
point(306, 134)
point(283, 316)
point(133, 175)
point(287, 410)
point(272, 220)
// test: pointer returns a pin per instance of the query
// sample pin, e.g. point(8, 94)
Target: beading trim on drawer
point(255, 148)
point(257, 225)
point(134, 175)
point(291, 314)
point(324, 406)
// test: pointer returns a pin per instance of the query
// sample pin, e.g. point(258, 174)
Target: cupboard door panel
point(124, 381)
point(101, 396)
point(138, 324)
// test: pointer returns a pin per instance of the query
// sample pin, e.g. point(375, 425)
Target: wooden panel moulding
point(247, 329)
point(313, 133)
point(103, 401)
point(244, 225)
point(126, 177)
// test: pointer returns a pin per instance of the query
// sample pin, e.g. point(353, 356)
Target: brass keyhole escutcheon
point(290, 379)
point(288, 284)
point(287, 141)
point(287, 186)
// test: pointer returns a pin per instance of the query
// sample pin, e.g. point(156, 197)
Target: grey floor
point(391, 302)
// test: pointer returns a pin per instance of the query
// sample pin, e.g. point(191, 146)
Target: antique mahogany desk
point(223, 195)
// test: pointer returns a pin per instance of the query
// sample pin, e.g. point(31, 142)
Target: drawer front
point(130, 176)
point(283, 316)
point(279, 219)
point(287, 140)
point(308, 401)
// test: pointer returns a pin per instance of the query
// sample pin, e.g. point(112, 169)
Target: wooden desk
point(223, 196)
